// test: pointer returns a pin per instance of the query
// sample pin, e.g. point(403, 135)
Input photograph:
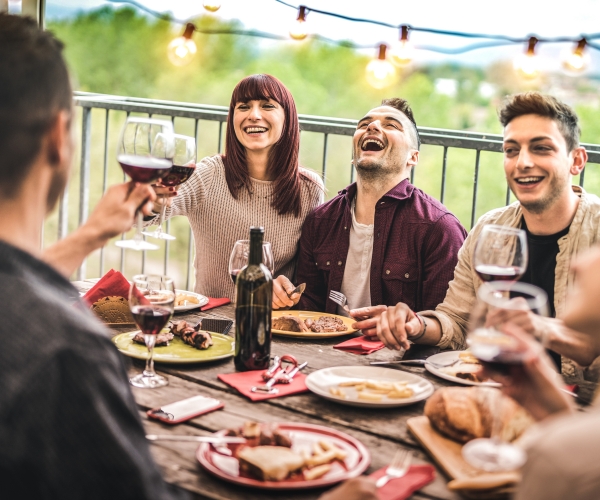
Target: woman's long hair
point(283, 158)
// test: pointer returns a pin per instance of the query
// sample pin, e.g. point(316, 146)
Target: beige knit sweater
point(218, 220)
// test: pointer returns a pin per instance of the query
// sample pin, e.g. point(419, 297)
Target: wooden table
point(382, 431)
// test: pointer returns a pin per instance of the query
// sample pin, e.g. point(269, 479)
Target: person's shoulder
point(210, 163)
point(503, 215)
point(311, 177)
point(431, 209)
point(331, 209)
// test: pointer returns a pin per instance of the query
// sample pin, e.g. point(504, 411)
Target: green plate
point(177, 351)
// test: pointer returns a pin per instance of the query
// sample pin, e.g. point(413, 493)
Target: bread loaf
point(465, 413)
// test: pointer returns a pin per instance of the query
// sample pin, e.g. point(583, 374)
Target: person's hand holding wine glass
point(144, 162)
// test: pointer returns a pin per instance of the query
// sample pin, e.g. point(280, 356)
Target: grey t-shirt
point(69, 426)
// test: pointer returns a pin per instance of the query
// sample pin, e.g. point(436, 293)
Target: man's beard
point(372, 170)
point(540, 206)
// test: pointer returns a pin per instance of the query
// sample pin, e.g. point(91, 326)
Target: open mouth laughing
point(255, 130)
point(529, 181)
point(372, 144)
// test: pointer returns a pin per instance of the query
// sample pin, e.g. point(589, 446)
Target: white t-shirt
point(356, 284)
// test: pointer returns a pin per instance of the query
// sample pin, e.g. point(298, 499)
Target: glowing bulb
point(401, 53)
point(527, 64)
point(380, 72)
point(299, 30)
point(577, 61)
point(212, 5)
point(182, 49)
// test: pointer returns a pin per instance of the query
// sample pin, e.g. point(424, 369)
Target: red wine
point(178, 175)
point(254, 289)
point(150, 319)
point(144, 169)
point(234, 274)
point(498, 273)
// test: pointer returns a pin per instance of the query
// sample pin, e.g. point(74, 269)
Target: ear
point(580, 157)
point(59, 141)
point(413, 158)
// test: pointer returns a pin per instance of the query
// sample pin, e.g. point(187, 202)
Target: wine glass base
point(491, 455)
point(138, 245)
point(148, 381)
point(160, 235)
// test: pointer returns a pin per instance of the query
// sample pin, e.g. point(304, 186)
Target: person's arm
point(314, 297)
point(114, 214)
point(358, 488)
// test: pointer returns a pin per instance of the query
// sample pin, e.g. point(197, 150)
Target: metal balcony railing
point(196, 115)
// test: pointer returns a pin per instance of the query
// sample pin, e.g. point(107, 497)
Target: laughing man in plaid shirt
point(381, 240)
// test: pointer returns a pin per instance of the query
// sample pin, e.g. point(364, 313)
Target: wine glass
point(500, 253)
point(502, 354)
point(137, 158)
point(151, 301)
point(184, 164)
point(239, 257)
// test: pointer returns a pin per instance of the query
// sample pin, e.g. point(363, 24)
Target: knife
point(299, 289)
point(400, 362)
point(196, 439)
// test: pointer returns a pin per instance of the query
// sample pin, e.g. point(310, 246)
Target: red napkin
point(212, 303)
point(360, 345)
point(112, 284)
point(403, 487)
point(244, 381)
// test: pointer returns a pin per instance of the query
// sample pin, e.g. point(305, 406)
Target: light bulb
point(299, 29)
point(380, 72)
point(577, 61)
point(401, 52)
point(212, 5)
point(527, 64)
point(182, 49)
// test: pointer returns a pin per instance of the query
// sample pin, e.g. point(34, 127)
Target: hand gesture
point(396, 324)
point(281, 287)
point(366, 319)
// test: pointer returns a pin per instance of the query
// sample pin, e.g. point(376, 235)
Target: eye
point(393, 125)
point(362, 125)
point(268, 105)
point(242, 106)
point(509, 151)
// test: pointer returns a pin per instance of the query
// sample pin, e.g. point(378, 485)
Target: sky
point(517, 18)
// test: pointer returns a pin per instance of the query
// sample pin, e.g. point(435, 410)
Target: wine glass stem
point(163, 211)
point(150, 341)
point(138, 224)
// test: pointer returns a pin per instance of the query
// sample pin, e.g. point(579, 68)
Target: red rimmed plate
point(303, 436)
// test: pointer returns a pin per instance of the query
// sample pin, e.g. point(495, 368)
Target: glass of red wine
point(142, 163)
point(151, 302)
point(499, 303)
point(500, 253)
point(184, 164)
point(239, 257)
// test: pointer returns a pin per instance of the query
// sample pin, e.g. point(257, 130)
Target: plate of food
point(179, 343)
point(285, 456)
point(458, 366)
point(184, 300)
point(310, 324)
point(369, 386)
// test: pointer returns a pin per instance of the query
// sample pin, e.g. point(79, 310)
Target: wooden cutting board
point(466, 479)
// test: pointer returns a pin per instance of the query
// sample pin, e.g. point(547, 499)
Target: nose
point(524, 160)
point(255, 112)
point(374, 125)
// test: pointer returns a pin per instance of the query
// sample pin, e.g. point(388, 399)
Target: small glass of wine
point(502, 354)
point(152, 302)
point(239, 257)
point(500, 253)
point(184, 164)
point(136, 155)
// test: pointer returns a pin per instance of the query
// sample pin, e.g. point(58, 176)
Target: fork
point(436, 364)
point(398, 468)
point(340, 299)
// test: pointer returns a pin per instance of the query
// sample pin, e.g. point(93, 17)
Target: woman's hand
point(281, 287)
point(164, 196)
point(366, 319)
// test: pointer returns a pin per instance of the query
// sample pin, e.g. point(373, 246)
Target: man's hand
point(359, 488)
point(534, 384)
point(520, 315)
point(366, 319)
point(396, 324)
point(281, 287)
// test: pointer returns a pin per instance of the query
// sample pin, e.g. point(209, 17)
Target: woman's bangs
point(256, 88)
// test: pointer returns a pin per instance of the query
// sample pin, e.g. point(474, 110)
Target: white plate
point(448, 357)
point(321, 381)
point(202, 301)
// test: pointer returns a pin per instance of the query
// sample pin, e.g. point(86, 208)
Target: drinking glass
point(184, 164)
point(239, 257)
point(502, 354)
point(500, 253)
point(136, 155)
point(151, 301)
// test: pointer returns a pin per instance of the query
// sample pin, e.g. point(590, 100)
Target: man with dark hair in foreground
point(381, 240)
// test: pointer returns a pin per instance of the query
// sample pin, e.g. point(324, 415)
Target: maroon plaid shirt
point(415, 246)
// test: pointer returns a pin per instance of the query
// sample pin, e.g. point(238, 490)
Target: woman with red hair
point(257, 182)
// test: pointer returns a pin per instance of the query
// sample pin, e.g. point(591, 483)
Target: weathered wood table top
point(382, 431)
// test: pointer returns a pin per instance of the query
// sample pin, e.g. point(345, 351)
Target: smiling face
point(385, 143)
point(258, 124)
point(537, 163)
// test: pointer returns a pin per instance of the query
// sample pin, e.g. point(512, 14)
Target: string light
point(401, 53)
point(182, 50)
point(380, 72)
point(212, 5)
point(527, 64)
point(577, 61)
point(299, 30)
